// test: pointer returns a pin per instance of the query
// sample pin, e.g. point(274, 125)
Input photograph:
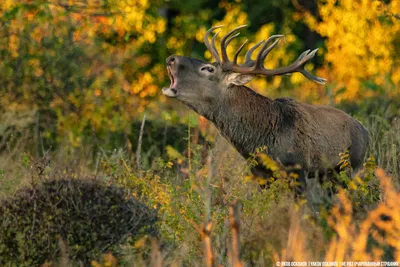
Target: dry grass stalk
point(139, 147)
point(234, 219)
point(205, 234)
point(156, 258)
point(351, 243)
point(296, 248)
point(208, 251)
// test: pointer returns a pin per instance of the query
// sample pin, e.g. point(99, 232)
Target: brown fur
point(294, 133)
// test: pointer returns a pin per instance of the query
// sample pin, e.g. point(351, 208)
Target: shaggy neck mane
point(244, 117)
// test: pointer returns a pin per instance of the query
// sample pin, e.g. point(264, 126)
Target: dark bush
point(89, 217)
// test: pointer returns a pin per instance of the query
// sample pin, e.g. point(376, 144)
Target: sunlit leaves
point(234, 17)
point(90, 62)
point(133, 17)
point(100, 63)
point(361, 43)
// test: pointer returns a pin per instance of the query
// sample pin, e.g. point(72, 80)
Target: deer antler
point(257, 66)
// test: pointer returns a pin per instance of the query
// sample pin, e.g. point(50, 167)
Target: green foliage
point(162, 139)
point(77, 77)
point(363, 189)
point(381, 116)
point(61, 62)
point(90, 217)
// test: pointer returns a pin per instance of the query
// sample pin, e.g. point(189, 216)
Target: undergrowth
point(192, 191)
point(81, 219)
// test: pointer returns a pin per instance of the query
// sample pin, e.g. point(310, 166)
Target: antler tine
point(312, 77)
point(303, 54)
point(269, 48)
point(224, 42)
point(261, 55)
point(231, 38)
point(249, 53)
point(238, 52)
point(214, 46)
point(257, 66)
point(302, 59)
point(297, 66)
point(211, 47)
point(309, 56)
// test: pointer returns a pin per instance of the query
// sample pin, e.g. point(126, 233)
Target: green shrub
point(89, 217)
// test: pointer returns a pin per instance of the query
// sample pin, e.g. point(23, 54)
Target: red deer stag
point(293, 133)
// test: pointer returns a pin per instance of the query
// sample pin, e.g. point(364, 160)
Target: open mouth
point(171, 91)
point(171, 77)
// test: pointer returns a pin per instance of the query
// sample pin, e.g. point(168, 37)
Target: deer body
point(294, 133)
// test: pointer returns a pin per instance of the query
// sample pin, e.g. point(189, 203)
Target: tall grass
point(195, 191)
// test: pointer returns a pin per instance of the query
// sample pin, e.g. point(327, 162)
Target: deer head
point(293, 133)
point(198, 83)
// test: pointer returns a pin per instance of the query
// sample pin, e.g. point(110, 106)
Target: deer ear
point(239, 78)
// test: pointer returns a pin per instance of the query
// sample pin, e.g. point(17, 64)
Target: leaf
point(371, 85)
point(173, 154)
point(340, 91)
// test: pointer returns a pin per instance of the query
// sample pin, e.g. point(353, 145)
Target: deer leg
point(301, 175)
point(301, 186)
point(260, 172)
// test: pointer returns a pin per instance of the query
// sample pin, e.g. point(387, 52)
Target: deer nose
point(171, 60)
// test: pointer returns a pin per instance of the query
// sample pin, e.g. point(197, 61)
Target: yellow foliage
point(268, 162)
point(353, 243)
point(6, 4)
point(133, 17)
point(234, 17)
point(361, 39)
point(108, 260)
point(174, 154)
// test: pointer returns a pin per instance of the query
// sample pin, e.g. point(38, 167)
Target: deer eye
point(209, 69)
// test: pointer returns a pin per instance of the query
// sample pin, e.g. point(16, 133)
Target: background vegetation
point(77, 79)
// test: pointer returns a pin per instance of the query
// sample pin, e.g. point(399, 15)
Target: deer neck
point(244, 118)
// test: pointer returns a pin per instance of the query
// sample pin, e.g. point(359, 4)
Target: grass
point(212, 212)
